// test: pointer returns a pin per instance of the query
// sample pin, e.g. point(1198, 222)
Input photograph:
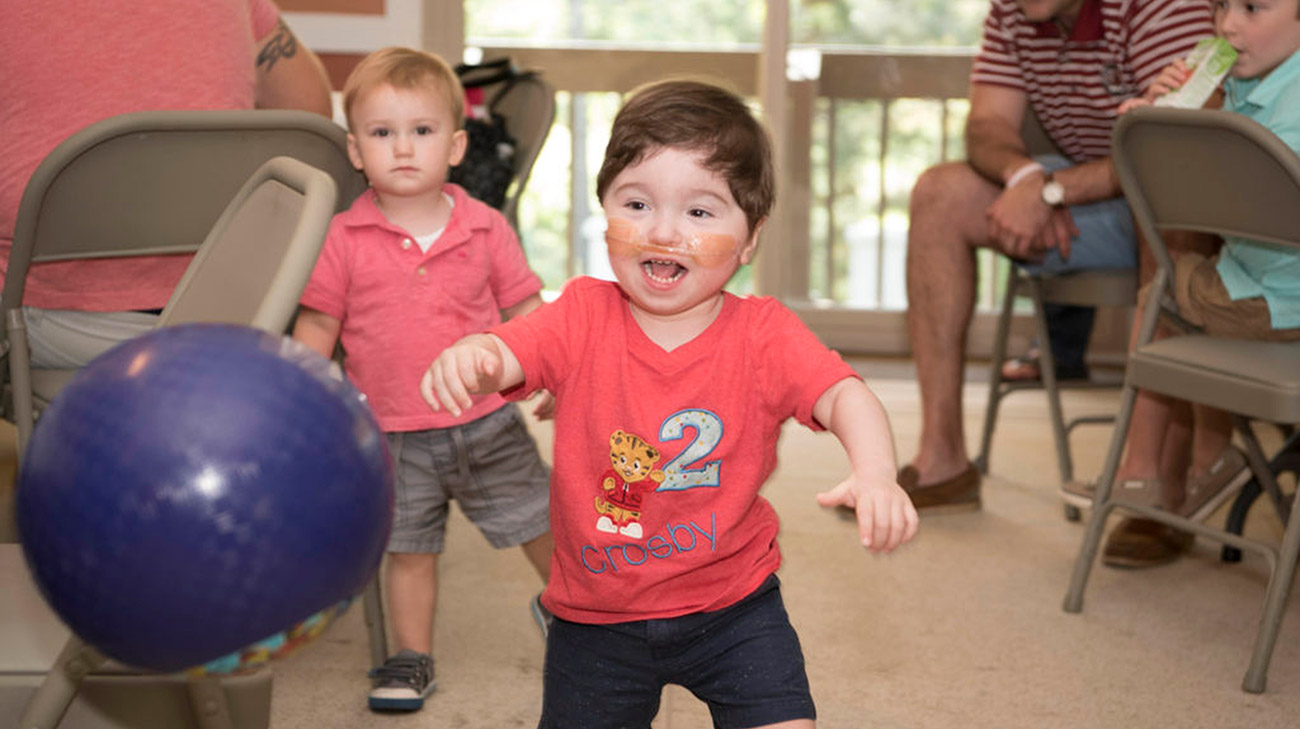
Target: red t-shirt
point(699, 423)
point(399, 306)
point(1074, 84)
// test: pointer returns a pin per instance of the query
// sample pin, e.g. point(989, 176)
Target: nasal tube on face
point(626, 240)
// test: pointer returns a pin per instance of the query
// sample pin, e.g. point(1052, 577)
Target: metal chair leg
point(995, 376)
point(1047, 371)
point(55, 694)
point(1101, 504)
point(1279, 589)
point(1286, 460)
point(372, 602)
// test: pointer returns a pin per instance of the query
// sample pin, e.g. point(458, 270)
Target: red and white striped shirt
point(1074, 84)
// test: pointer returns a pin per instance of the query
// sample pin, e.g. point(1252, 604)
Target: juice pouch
point(1210, 61)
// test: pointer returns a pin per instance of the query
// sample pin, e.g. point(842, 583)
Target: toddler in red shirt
point(670, 394)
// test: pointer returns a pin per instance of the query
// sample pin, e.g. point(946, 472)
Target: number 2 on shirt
point(685, 471)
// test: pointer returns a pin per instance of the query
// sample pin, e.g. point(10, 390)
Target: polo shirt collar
point(1266, 92)
point(467, 216)
point(1087, 27)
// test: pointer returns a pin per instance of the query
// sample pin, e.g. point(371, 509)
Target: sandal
point(1026, 368)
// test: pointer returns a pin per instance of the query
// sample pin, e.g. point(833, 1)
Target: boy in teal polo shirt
point(1248, 290)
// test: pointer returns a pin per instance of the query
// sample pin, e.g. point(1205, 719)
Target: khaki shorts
point(1203, 301)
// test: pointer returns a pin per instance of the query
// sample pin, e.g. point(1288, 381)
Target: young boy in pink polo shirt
point(414, 265)
point(670, 394)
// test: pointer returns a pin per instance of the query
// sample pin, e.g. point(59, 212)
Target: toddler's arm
point(1170, 77)
point(522, 308)
point(475, 365)
point(317, 330)
point(544, 402)
point(886, 517)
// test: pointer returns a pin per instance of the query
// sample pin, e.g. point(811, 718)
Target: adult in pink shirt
point(69, 64)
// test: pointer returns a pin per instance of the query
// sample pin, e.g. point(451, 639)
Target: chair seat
point(48, 383)
point(1099, 287)
point(1260, 380)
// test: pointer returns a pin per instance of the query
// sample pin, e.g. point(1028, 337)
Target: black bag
point(489, 163)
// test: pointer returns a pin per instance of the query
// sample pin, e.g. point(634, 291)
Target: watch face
point(1053, 193)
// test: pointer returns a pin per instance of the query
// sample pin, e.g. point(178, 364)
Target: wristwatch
point(1053, 192)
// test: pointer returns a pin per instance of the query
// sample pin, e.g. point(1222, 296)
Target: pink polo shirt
point(400, 307)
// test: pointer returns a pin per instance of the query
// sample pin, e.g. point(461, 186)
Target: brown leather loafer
point(1137, 543)
point(959, 493)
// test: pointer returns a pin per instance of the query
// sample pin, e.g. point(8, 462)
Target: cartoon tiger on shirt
point(623, 487)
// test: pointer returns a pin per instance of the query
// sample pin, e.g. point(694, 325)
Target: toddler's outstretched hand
point(469, 367)
point(886, 517)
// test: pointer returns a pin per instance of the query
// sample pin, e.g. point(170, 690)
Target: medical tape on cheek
point(625, 240)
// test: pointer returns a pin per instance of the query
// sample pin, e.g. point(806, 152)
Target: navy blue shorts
point(744, 661)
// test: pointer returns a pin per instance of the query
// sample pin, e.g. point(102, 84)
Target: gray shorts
point(490, 466)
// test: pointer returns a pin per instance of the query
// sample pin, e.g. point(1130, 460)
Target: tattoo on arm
point(282, 45)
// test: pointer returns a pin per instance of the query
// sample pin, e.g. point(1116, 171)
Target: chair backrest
point(1035, 136)
point(156, 182)
point(254, 263)
point(528, 105)
point(1207, 170)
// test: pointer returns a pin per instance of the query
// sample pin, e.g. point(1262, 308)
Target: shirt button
point(406, 244)
point(420, 271)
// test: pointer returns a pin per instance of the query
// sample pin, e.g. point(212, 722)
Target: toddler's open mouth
point(663, 271)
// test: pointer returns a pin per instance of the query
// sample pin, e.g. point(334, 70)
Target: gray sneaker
point(403, 682)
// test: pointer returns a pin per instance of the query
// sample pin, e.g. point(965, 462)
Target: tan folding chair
point(150, 183)
point(528, 105)
point(131, 186)
point(1103, 287)
point(1222, 173)
point(526, 102)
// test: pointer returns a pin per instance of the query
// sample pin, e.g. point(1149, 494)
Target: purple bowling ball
point(199, 488)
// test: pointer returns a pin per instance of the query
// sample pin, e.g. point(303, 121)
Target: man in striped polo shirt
point(1072, 62)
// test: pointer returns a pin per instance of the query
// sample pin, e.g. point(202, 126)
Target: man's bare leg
point(947, 223)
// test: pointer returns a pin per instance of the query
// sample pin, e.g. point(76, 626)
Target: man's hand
point(1024, 227)
point(1017, 219)
point(886, 517)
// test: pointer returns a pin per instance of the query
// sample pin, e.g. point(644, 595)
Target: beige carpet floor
point(961, 628)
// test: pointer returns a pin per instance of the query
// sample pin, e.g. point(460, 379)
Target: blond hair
point(404, 68)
